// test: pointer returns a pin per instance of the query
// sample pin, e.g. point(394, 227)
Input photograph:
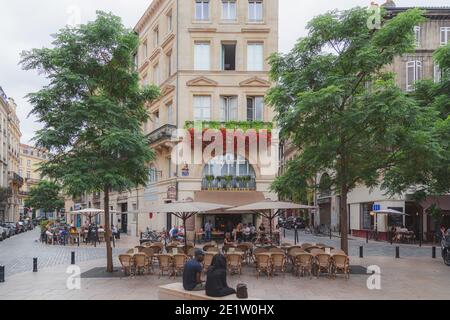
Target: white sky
point(27, 24)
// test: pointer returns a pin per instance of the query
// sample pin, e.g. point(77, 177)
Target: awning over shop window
point(231, 198)
point(442, 202)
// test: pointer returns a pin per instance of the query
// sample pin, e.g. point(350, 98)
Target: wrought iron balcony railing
point(223, 183)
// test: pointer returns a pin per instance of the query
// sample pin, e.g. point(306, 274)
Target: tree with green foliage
point(46, 196)
point(434, 177)
point(339, 106)
point(92, 110)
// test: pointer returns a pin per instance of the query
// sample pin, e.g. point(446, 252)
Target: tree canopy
point(46, 196)
point(92, 110)
point(337, 103)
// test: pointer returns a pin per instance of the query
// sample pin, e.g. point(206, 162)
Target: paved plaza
point(414, 276)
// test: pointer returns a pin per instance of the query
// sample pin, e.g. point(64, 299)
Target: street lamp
point(374, 214)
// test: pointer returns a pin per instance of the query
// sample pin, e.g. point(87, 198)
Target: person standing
point(192, 273)
point(208, 229)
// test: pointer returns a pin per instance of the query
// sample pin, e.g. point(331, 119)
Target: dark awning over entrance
point(231, 198)
point(442, 202)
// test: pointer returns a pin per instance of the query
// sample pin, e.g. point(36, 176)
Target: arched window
point(229, 165)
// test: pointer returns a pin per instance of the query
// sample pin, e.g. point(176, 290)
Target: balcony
point(16, 179)
point(232, 125)
point(231, 183)
point(161, 134)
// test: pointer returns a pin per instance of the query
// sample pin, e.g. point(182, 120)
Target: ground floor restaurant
point(418, 221)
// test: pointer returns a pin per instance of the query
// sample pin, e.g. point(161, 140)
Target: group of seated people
point(216, 277)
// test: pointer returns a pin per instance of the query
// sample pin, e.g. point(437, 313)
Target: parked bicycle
point(151, 236)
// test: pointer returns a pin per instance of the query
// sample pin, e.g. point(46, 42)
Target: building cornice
point(148, 14)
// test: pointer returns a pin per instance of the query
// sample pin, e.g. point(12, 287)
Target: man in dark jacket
point(192, 273)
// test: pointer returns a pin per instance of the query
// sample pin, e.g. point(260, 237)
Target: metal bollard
point(367, 236)
point(433, 252)
point(361, 252)
point(330, 234)
point(2, 274)
point(397, 252)
point(35, 265)
point(72, 260)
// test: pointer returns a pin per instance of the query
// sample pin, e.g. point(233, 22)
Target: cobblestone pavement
point(373, 248)
point(17, 253)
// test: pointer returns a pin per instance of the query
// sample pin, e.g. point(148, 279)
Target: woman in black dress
point(216, 281)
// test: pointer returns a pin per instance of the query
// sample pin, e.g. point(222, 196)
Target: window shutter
point(233, 116)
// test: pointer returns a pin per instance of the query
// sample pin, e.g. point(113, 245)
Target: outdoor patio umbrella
point(88, 212)
point(389, 212)
point(270, 209)
point(187, 209)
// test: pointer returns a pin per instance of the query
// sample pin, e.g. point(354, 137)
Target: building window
point(169, 22)
point(228, 108)
point(156, 78)
point(156, 120)
point(202, 57)
point(170, 113)
point(228, 56)
point(255, 10)
point(255, 57)
point(437, 73)
point(445, 35)
point(417, 34)
point(255, 109)
point(202, 108)
point(229, 9)
point(152, 175)
point(202, 10)
point(136, 61)
point(28, 163)
point(169, 167)
point(413, 74)
point(367, 220)
point(156, 37)
point(145, 49)
point(169, 64)
point(28, 174)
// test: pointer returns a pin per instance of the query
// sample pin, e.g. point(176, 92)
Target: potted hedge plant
point(210, 179)
point(239, 181)
point(229, 181)
point(246, 180)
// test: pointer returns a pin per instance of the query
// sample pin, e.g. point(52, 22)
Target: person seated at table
point(216, 281)
point(227, 239)
point(173, 233)
point(239, 228)
point(252, 230)
point(101, 229)
point(246, 232)
point(49, 235)
point(193, 271)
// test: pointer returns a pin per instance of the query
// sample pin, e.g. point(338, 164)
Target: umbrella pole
point(185, 233)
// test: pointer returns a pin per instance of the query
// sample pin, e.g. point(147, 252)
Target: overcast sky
point(26, 24)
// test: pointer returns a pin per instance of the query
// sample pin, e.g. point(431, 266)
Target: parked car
point(3, 233)
point(11, 227)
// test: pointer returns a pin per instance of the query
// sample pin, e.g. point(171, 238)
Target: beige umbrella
point(270, 209)
point(187, 209)
point(88, 212)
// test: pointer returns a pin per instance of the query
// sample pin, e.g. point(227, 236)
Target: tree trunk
point(109, 258)
point(344, 220)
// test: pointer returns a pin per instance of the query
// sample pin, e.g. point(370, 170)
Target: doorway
point(124, 217)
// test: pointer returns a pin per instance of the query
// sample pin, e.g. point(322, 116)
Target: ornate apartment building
point(430, 35)
point(29, 159)
point(209, 58)
point(10, 180)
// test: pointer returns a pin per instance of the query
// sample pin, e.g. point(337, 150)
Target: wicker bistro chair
point(263, 264)
point(278, 262)
point(191, 252)
point(245, 249)
point(170, 247)
point(179, 261)
point(337, 251)
point(306, 245)
point(142, 263)
point(159, 245)
point(310, 248)
point(303, 263)
point(276, 250)
point(292, 252)
point(150, 252)
point(213, 250)
point(323, 264)
point(315, 252)
point(165, 264)
point(227, 248)
point(127, 262)
point(340, 263)
point(140, 248)
point(208, 260)
point(131, 251)
point(234, 263)
point(156, 248)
